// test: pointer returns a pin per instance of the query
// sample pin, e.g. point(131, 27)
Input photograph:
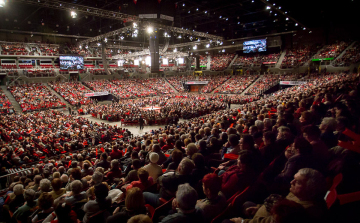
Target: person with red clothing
point(144, 180)
point(239, 176)
point(115, 154)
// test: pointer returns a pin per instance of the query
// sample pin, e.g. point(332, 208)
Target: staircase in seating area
point(281, 58)
point(11, 98)
point(251, 85)
point(57, 95)
point(172, 87)
point(343, 52)
point(232, 62)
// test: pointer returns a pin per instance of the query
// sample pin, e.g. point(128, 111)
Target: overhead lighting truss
point(80, 9)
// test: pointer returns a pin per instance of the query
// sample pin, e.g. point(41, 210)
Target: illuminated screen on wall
point(71, 63)
point(254, 46)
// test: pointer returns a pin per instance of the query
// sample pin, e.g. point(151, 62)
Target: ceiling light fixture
point(73, 14)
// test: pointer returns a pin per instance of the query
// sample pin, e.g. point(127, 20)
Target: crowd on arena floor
point(276, 150)
point(35, 96)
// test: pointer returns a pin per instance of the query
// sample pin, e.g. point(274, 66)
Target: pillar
point(103, 54)
point(154, 52)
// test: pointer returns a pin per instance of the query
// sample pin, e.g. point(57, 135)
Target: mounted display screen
point(71, 63)
point(254, 46)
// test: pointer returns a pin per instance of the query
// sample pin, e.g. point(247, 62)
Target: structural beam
point(54, 4)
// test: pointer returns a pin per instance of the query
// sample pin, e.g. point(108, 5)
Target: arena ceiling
point(229, 19)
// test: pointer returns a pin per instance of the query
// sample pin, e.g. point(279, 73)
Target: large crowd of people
point(266, 161)
point(156, 84)
point(265, 82)
point(236, 85)
point(298, 56)
point(351, 56)
point(220, 62)
point(5, 104)
point(332, 50)
point(34, 96)
point(256, 60)
point(72, 92)
point(13, 49)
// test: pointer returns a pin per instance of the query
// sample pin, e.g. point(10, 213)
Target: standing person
point(229, 103)
point(69, 110)
point(141, 123)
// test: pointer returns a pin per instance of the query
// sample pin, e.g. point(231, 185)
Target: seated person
point(308, 189)
point(45, 203)
point(57, 190)
point(185, 202)
point(16, 198)
point(144, 180)
point(170, 182)
point(115, 171)
point(76, 194)
point(134, 205)
point(101, 202)
point(215, 201)
point(153, 168)
point(25, 211)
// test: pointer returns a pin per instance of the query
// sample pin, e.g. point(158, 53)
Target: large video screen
point(254, 46)
point(71, 63)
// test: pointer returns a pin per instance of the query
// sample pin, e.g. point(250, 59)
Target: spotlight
point(296, 24)
point(304, 28)
point(135, 25)
point(310, 31)
point(98, 44)
point(252, 1)
point(238, 23)
point(2, 3)
point(287, 19)
point(73, 14)
point(267, 7)
point(207, 45)
point(279, 7)
point(150, 29)
point(205, 12)
point(195, 47)
point(183, 5)
point(197, 9)
point(175, 50)
point(80, 47)
point(189, 12)
point(179, 37)
point(220, 17)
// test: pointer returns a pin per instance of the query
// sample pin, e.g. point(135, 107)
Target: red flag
point(69, 163)
point(102, 149)
point(96, 152)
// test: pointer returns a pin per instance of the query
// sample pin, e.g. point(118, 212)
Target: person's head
point(154, 157)
point(141, 218)
point(64, 178)
point(134, 199)
point(75, 174)
point(18, 189)
point(45, 185)
point(101, 192)
point(245, 160)
point(97, 177)
point(29, 195)
point(56, 175)
point(191, 149)
point(176, 156)
point(287, 211)
point(284, 133)
point(115, 164)
point(302, 146)
point(186, 166)
point(37, 179)
point(62, 212)
point(156, 148)
point(211, 185)
point(308, 184)
point(233, 140)
point(247, 142)
point(269, 137)
point(136, 164)
point(104, 156)
point(56, 184)
point(76, 187)
point(328, 124)
point(198, 160)
point(45, 201)
point(143, 175)
point(186, 197)
point(253, 129)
